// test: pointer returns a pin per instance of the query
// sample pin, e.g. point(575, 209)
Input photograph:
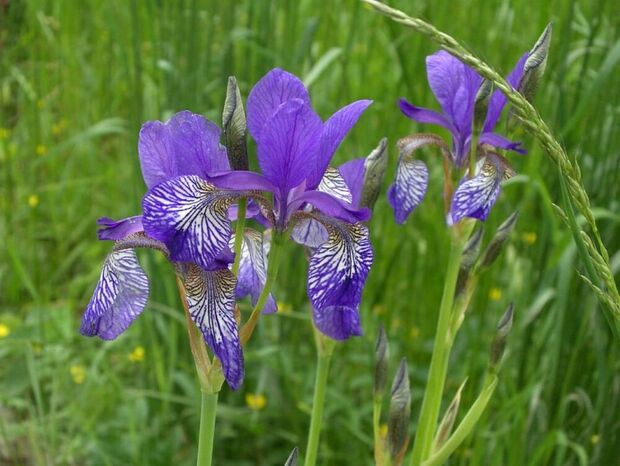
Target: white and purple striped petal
point(475, 196)
point(211, 304)
point(119, 297)
point(253, 270)
point(190, 216)
point(336, 277)
point(187, 144)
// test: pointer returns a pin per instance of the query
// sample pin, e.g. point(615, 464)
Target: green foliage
point(77, 79)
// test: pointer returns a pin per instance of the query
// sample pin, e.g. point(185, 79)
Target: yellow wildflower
point(5, 330)
point(40, 103)
point(414, 332)
point(529, 237)
point(595, 439)
point(284, 308)
point(137, 355)
point(383, 431)
point(59, 127)
point(495, 294)
point(5, 133)
point(78, 373)
point(255, 401)
point(33, 200)
point(41, 149)
point(378, 309)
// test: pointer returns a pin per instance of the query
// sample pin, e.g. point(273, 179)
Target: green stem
point(207, 429)
point(318, 403)
point(241, 209)
point(275, 255)
point(439, 361)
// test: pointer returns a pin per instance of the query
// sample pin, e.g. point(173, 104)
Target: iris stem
point(439, 361)
point(208, 410)
point(325, 348)
point(275, 255)
point(239, 230)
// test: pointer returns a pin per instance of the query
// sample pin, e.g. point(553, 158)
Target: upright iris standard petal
point(498, 99)
point(475, 196)
point(253, 270)
point(334, 131)
point(275, 88)
point(336, 277)
point(118, 229)
point(190, 216)
point(119, 297)
point(187, 144)
point(211, 304)
point(288, 144)
point(352, 173)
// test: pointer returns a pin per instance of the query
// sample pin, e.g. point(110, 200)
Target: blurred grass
point(76, 82)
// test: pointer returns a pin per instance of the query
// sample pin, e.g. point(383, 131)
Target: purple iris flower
point(187, 147)
point(298, 193)
point(455, 86)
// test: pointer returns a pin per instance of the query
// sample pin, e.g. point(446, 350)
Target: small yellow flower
point(59, 127)
point(284, 308)
point(137, 355)
point(33, 200)
point(529, 237)
point(595, 439)
point(37, 348)
point(12, 148)
point(383, 431)
point(414, 332)
point(255, 401)
point(40, 103)
point(78, 373)
point(395, 323)
point(378, 309)
point(41, 149)
point(5, 330)
point(5, 133)
point(495, 294)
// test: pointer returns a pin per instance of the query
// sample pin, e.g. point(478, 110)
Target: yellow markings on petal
point(414, 333)
point(383, 431)
point(255, 401)
point(33, 200)
point(41, 149)
point(495, 294)
point(5, 133)
point(529, 237)
point(5, 330)
point(378, 309)
point(78, 373)
point(137, 355)
point(284, 308)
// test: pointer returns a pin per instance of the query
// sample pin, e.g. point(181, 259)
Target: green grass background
point(78, 78)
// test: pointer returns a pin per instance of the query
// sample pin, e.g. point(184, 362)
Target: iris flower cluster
point(192, 199)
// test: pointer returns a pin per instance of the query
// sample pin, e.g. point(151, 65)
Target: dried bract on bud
point(235, 127)
point(400, 407)
point(381, 362)
point(501, 335)
point(499, 240)
point(374, 172)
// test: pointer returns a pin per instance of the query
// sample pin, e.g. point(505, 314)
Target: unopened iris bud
point(447, 423)
point(469, 258)
point(381, 362)
point(293, 457)
point(235, 127)
point(374, 172)
point(501, 335)
point(499, 240)
point(400, 407)
point(481, 103)
point(535, 65)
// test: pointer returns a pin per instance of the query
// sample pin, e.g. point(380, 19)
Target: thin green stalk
point(275, 255)
point(318, 403)
point(439, 361)
point(208, 410)
point(241, 209)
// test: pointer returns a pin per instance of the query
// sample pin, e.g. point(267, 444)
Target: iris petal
point(118, 229)
point(190, 216)
point(336, 277)
point(253, 269)
point(475, 196)
point(211, 304)
point(119, 297)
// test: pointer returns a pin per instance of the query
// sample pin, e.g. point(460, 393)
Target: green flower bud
point(501, 335)
point(499, 239)
point(469, 258)
point(374, 172)
point(381, 362)
point(400, 407)
point(535, 65)
point(447, 422)
point(481, 103)
point(293, 458)
point(235, 127)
